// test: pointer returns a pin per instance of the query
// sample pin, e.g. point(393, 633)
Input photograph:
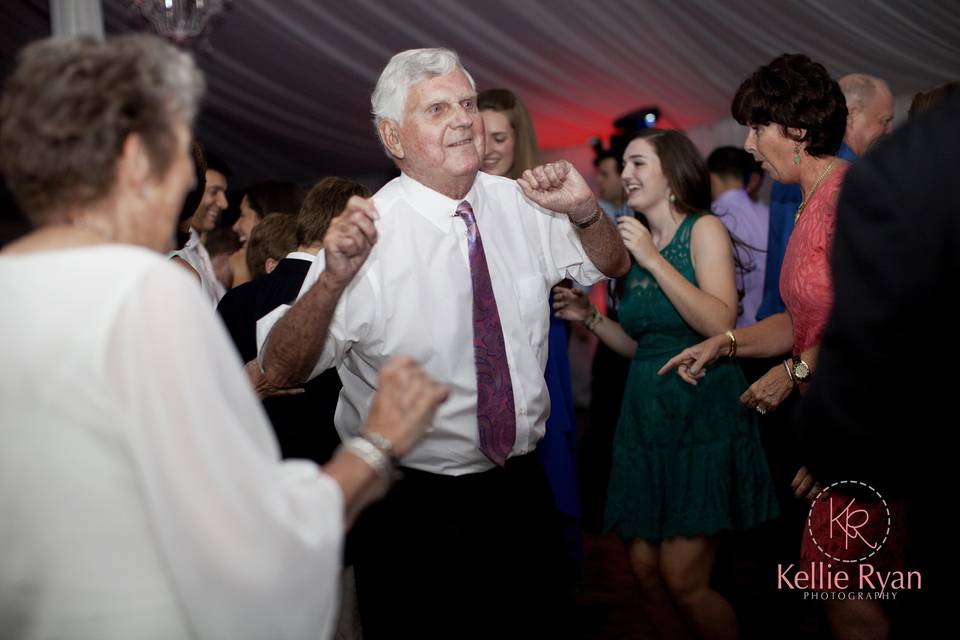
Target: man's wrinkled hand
point(558, 186)
point(349, 240)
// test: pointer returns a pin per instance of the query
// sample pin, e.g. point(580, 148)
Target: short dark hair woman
point(795, 114)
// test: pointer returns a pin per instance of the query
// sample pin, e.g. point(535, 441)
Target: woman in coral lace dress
point(796, 115)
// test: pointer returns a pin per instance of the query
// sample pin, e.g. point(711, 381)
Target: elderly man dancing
point(453, 267)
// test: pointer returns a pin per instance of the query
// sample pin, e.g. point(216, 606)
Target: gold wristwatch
point(801, 370)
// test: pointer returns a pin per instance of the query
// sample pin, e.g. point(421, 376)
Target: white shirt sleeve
point(252, 543)
point(563, 251)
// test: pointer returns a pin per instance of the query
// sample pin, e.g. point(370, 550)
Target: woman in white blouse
point(141, 490)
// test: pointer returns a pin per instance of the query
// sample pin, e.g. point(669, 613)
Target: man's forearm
point(603, 246)
point(295, 343)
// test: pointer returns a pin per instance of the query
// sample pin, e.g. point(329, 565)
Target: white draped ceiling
point(290, 80)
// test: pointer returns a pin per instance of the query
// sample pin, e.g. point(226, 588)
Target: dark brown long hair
point(689, 180)
point(682, 165)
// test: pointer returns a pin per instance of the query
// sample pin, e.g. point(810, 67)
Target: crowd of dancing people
point(294, 411)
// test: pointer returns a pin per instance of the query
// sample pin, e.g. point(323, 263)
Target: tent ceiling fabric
point(290, 80)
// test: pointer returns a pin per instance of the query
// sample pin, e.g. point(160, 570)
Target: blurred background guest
point(267, 246)
point(926, 100)
point(730, 170)
point(510, 140)
point(613, 199)
point(196, 227)
point(262, 198)
point(284, 248)
point(221, 244)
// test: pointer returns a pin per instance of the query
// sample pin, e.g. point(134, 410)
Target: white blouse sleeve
point(252, 544)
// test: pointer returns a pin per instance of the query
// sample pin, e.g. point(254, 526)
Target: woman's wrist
point(383, 444)
point(788, 366)
point(370, 454)
point(731, 343)
point(651, 266)
point(593, 318)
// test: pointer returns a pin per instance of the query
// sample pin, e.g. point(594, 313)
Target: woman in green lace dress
point(687, 460)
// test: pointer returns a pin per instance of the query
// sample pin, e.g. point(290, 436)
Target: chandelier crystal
point(183, 22)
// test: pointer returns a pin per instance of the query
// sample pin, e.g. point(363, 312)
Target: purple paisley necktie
point(496, 417)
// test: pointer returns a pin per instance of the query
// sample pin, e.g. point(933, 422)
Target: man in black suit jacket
point(303, 423)
point(882, 400)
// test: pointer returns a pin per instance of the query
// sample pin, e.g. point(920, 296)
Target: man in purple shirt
point(747, 221)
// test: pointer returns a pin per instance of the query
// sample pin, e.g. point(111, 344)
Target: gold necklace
point(803, 205)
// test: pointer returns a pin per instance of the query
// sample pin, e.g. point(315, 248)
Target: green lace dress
point(687, 460)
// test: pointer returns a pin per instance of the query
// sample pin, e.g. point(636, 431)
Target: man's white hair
point(859, 89)
point(404, 70)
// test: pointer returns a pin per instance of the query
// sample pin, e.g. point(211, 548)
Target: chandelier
point(183, 22)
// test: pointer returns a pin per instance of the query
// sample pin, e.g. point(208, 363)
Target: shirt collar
point(436, 207)
point(193, 240)
point(300, 255)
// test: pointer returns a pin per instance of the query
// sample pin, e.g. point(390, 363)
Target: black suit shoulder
point(882, 374)
point(236, 308)
point(243, 305)
point(281, 286)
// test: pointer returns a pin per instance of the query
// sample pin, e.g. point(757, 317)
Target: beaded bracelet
point(371, 455)
point(382, 443)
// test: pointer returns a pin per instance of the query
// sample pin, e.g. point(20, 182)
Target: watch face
point(800, 370)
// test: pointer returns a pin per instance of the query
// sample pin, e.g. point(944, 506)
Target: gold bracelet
point(733, 343)
point(592, 319)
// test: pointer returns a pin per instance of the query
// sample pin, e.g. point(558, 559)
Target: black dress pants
point(473, 556)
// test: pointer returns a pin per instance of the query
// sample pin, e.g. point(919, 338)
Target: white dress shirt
point(141, 489)
point(197, 257)
point(414, 296)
